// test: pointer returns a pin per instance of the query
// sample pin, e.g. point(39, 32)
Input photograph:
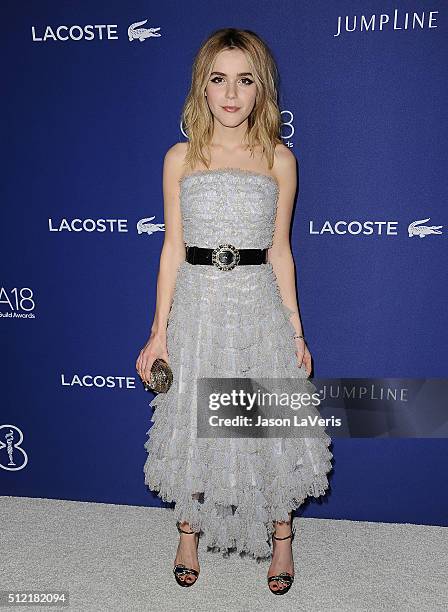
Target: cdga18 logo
point(16, 302)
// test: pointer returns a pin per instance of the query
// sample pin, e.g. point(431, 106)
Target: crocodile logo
point(135, 32)
point(144, 227)
point(415, 229)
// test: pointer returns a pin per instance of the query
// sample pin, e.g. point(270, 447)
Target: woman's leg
point(282, 558)
point(187, 549)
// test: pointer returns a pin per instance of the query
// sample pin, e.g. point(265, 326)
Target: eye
point(218, 79)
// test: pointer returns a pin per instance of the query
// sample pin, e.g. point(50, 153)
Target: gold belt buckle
point(225, 256)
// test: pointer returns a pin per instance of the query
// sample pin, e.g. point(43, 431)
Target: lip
point(231, 109)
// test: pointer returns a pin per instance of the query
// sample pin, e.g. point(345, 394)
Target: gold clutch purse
point(161, 377)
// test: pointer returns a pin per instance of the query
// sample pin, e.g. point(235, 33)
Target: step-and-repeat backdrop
point(91, 101)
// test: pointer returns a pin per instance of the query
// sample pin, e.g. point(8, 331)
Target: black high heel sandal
point(182, 570)
point(284, 577)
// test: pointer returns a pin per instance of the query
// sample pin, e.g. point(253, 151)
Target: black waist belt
point(226, 256)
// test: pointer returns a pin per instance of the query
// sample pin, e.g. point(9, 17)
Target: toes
point(279, 586)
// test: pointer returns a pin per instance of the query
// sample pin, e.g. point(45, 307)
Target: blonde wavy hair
point(264, 122)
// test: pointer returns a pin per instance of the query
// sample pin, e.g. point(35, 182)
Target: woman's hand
point(303, 355)
point(154, 348)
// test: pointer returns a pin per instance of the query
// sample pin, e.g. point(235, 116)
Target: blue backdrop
point(88, 115)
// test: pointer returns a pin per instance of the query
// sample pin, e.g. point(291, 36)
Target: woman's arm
point(280, 254)
point(173, 249)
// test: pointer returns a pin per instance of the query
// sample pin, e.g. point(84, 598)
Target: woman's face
point(231, 84)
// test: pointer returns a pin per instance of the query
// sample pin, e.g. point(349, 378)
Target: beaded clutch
point(161, 377)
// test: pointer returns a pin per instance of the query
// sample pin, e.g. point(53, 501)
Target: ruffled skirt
point(230, 324)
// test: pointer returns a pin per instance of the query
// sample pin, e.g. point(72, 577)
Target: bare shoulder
point(285, 165)
point(176, 154)
point(174, 159)
point(177, 151)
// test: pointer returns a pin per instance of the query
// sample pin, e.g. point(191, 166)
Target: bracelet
point(298, 336)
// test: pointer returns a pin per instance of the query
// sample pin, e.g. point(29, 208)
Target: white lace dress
point(224, 324)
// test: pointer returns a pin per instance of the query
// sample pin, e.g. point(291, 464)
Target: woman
point(232, 183)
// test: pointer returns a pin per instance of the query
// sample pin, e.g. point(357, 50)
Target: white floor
point(120, 558)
